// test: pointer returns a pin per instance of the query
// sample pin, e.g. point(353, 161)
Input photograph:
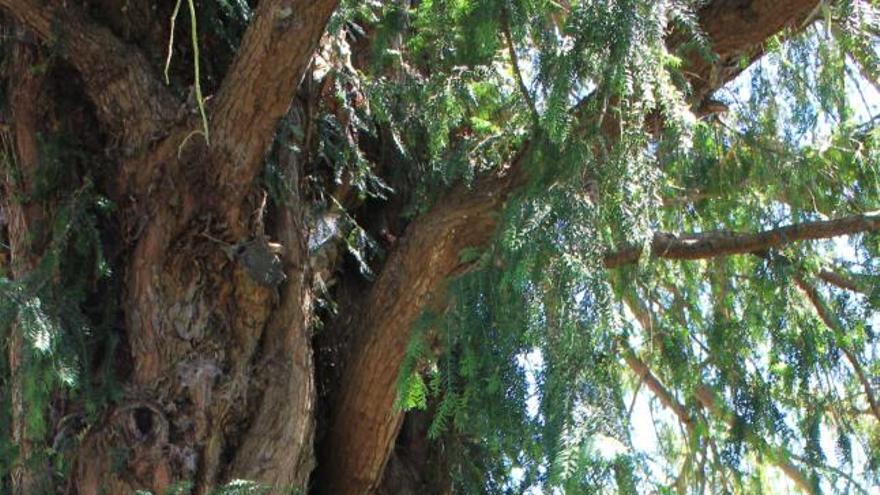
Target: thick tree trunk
point(222, 379)
point(222, 382)
point(222, 386)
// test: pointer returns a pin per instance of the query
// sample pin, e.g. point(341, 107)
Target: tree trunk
point(219, 375)
point(27, 233)
point(221, 385)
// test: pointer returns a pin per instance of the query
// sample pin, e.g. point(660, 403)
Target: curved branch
point(712, 244)
point(130, 99)
point(365, 422)
point(737, 31)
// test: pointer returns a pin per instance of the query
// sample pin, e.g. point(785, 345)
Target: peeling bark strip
point(361, 435)
point(713, 244)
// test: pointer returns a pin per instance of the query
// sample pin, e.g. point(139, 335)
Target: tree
point(389, 247)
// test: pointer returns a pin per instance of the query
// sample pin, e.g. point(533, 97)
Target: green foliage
point(526, 372)
point(531, 370)
point(63, 308)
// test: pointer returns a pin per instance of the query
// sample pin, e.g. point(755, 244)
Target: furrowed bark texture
point(261, 84)
point(222, 381)
point(364, 424)
point(130, 100)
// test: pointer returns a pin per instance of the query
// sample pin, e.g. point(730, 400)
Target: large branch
point(362, 431)
point(737, 31)
point(365, 422)
point(714, 244)
point(129, 97)
point(259, 88)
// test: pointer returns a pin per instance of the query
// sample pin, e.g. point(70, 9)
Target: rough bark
point(130, 99)
point(262, 81)
point(737, 31)
point(417, 465)
point(364, 421)
point(222, 382)
point(361, 436)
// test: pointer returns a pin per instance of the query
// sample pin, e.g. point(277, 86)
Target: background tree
point(442, 246)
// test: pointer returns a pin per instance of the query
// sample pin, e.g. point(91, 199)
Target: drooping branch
point(779, 456)
point(713, 244)
point(704, 396)
point(130, 99)
point(259, 87)
point(830, 319)
point(641, 370)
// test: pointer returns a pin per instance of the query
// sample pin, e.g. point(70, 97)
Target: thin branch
point(779, 456)
point(841, 281)
point(641, 370)
point(712, 244)
point(830, 319)
point(836, 471)
point(514, 62)
point(704, 395)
